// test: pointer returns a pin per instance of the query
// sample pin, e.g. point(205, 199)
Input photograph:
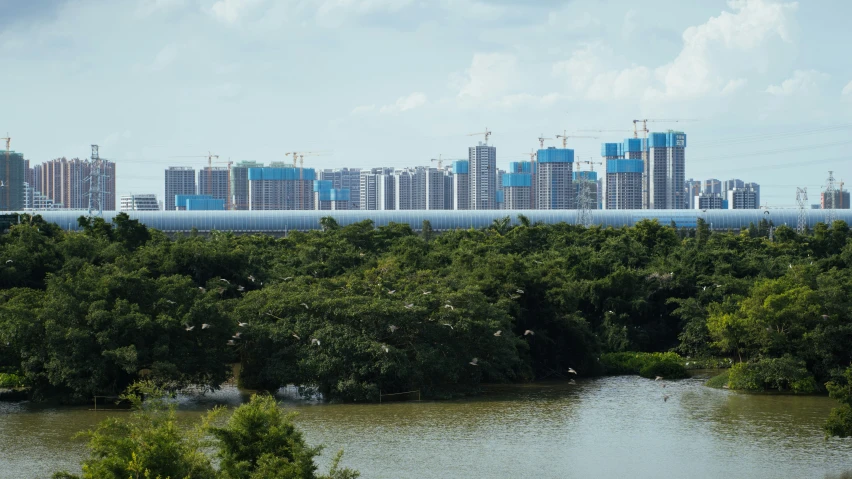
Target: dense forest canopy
point(354, 312)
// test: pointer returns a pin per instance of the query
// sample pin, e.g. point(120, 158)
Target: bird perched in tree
point(449, 306)
point(385, 348)
point(571, 370)
point(474, 362)
point(498, 333)
point(305, 305)
point(242, 325)
point(537, 261)
point(447, 325)
point(202, 289)
point(529, 332)
point(519, 291)
point(392, 328)
point(205, 326)
point(170, 301)
point(391, 291)
point(287, 278)
point(296, 336)
point(315, 341)
point(409, 305)
point(427, 292)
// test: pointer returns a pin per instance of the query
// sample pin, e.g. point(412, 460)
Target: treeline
point(354, 312)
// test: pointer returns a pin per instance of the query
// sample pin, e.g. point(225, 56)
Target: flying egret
point(305, 305)
point(447, 325)
point(529, 332)
point(251, 278)
point(296, 336)
point(225, 280)
point(409, 305)
point(474, 362)
point(242, 325)
point(315, 341)
point(205, 326)
point(658, 378)
point(498, 333)
point(391, 291)
point(189, 328)
point(571, 370)
point(393, 328)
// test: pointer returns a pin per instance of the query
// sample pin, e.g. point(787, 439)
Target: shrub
point(634, 363)
point(11, 381)
point(666, 369)
point(719, 381)
point(784, 374)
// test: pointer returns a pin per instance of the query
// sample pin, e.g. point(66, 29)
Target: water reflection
point(612, 427)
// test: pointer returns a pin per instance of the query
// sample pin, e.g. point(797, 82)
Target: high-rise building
point(240, 184)
point(377, 189)
point(517, 191)
point(693, 188)
point(527, 167)
point(841, 200)
point(449, 197)
point(67, 182)
point(434, 189)
point(12, 178)
point(409, 188)
point(281, 188)
point(756, 188)
point(554, 179)
point(744, 198)
point(666, 171)
point(461, 185)
point(146, 202)
point(482, 164)
point(623, 184)
point(731, 184)
point(180, 180)
point(345, 179)
point(198, 203)
point(326, 197)
point(215, 182)
point(36, 200)
point(708, 201)
point(712, 186)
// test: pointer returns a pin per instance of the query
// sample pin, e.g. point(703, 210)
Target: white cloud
point(490, 75)
point(405, 103)
point(231, 11)
point(734, 86)
point(164, 58)
point(802, 82)
point(588, 77)
point(359, 110)
point(847, 90)
point(149, 7)
point(333, 13)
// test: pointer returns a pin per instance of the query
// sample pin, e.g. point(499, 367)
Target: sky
point(763, 87)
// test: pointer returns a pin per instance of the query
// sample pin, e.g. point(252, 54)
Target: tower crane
point(565, 137)
point(487, 133)
point(209, 157)
point(646, 201)
point(591, 163)
point(440, 160)
point(299, 156)
point(541, 140)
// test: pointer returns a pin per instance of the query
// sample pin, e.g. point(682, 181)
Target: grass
point(719, 381)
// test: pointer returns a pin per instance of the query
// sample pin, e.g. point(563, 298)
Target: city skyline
point(181, 78)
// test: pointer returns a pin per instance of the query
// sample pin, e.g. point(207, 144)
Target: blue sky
point(397, 82)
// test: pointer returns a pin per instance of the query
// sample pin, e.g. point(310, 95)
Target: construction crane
point(591, 163)
point(440, 159)
point(8, 172)
point(487, 133)
point(299, 156)
point(209, 157)
point(565, 137)
point(541, 140)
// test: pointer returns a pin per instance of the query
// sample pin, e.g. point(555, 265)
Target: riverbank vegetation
point(357, 311)
point(257, 441)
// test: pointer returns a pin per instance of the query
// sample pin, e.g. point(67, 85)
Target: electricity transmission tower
point(828, 201)
point(96, 178)
point(584, 203)
point(801, 199)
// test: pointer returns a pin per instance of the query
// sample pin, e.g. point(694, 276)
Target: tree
point(839, 423)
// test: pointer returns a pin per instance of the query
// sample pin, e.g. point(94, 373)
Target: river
point(616, 427)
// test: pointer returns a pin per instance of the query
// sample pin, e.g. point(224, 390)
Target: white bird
point(205, 326)
point(571, 381)
point(393, 328)
point(611, 312)
point(473, 362)
point(571, 370)
point(241, 288)
point(236, 336)
point(391, 291)
point(409, 305)
point(296, 336)
point(529, 332)
point(658, 378)
point(288, 277)
point(537, 261)
point(202, 289)
point(449, 306)
point(362, 255)
point(242, 325)
point(385, 347)
point(427, 292)
point(231, 342)
point(315, 341)
point(9, 261)
point(225, 280)
point(170, 301)
point(498, 333)
point(305, 305)
point(519, 291)
point(791, 266)
point(2, 185)
point(447, 325)
point(251, 278)
point(824, 316)
point(704, 288)
point(189, 328)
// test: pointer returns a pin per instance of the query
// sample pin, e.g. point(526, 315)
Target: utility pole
point(801, 200)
